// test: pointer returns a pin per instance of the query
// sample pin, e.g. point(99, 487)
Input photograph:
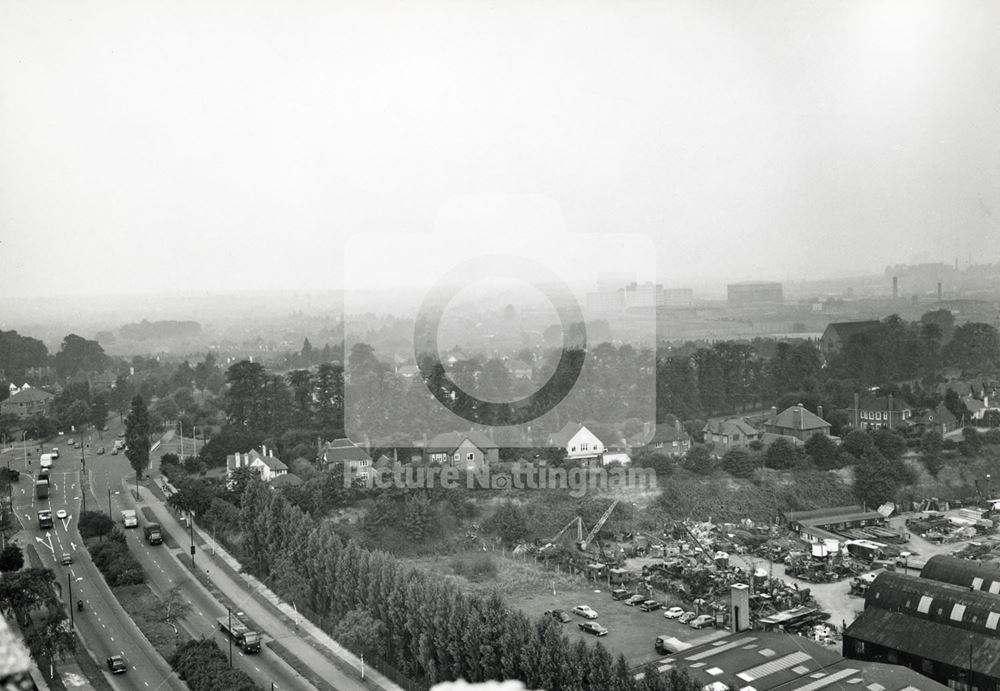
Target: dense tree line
point(433, 632)
point(204, 667)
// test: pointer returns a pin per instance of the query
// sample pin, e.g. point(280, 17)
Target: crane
point(579, 532)
point(597, 526)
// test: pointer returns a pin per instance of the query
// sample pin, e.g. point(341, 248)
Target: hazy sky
point(215, 145)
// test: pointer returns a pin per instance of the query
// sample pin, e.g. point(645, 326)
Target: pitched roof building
point(939, 419)
point(669, 439)
point(877, 412)
point(734, 433)
point(472, 450)
point(28, 401)
point(796, 421)
point(837, 334)
point(580, 443)
point(263, 462)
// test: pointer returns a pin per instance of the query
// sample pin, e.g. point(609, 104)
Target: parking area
point(630, 630)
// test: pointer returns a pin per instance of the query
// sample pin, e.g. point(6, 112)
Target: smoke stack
point(895, 287)
point(677, 424)
point(263, 449)
point(939, 291)
point(819, 412)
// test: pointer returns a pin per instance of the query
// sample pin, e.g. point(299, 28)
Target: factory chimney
point(895, 287)
point(939, 291)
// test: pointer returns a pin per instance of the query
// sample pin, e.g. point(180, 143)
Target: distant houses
point(470, 450)
point(734, 433)
point(837, 334)
point(344, 454)
point(579, 442)
point(796, 422)
point(878, 412)
point(669, 439)
point(26, 401)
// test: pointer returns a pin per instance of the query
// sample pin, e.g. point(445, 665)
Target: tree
point(857, 443)
point(955, 405)
point(78, 414)
point(417, 516)
point(974, 347)
point(137, 431)
point(738, 463)
point(931, 443)
point(26, 590)
point(781, 454)
point(172, 608)
point(95, 524)
point(193, 496)
point(11, 558)
point(99, 411)
point(890, 444)
point(77, 354)
point(822, 451)
point(932, 462)
point(360, 632)
point(509, 522)
point(699, 460)
point(50, 637)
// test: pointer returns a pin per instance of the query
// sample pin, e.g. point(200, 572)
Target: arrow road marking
point(51, 549)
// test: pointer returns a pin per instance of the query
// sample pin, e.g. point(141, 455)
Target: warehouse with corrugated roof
point(945, 631)
point(966, 573)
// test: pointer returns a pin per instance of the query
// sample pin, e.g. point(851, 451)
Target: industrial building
point(944, 631)
point(754, 293)
point(769, 660)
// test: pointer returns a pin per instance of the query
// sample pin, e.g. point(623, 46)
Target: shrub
point(115, 561)
point(477, 567)
point(204, 667)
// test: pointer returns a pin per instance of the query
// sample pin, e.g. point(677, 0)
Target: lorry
point(129, 519)
point(152, 533)
point(42, 488)
point(44, 519)
point(243, 636)
point(45, 461)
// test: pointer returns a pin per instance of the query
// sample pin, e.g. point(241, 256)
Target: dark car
point(620, 594)
point(635, 600)
point(559, 615)
point(594, 628)
point(100, 451)
point(116, 663)
point(650, 605)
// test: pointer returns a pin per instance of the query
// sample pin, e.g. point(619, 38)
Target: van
point(46, 460)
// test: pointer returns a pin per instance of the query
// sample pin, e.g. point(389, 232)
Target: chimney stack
point(895, 287)
point(857, 410)
point(677, 424)
point(819, 412)
point(263, 449)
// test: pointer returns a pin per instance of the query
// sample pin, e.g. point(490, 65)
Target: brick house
point(734, 433)
point(470, 450)
point(263, 462)
point(28, 401)
point(670, 440)
point(939, 420)
point(796, 421)
point(347, 455)
point(876, 412)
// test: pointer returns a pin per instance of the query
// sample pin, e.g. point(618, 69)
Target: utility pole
point(109, 502)
point(191, 526)
point(230, 613)
point(69, 588)
point(83, 472)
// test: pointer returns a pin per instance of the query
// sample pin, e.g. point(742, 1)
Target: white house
point(580, 443)
point(263, 462)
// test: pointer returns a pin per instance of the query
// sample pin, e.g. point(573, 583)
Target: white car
point(585, 612)
point(673, 612)
point(61, 513)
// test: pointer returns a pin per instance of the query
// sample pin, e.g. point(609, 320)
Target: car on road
point(114, 452)
point(686, 617)
point(673, 612)
point(61, 513)
point(620, 594)
point(100, 451)
point(55, 452)
point(593, 627)
point(585, 612)
point(702, 621)
point(116, 663)
point(650, 605)
point(635, 600)
point(67, 559)
point(557, 614)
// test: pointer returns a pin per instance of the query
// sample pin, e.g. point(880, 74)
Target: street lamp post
point(191, 526)
point(69, 588)
point(109, 502)
point(230, 613)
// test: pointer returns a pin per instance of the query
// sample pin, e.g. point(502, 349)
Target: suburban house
point(346, 455)
point(28, 401)
point(616, 454)
point(519, 369)
point(734, 433)
point(796, 421)
point(470, 450)
point(408, 371)
point(978, 408)
point(263, 462)
point(938, 420)
point(580, 443)
point(878, 412)
point(670, 440)
point(837, 334)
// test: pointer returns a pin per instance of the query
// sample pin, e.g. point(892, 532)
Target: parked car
point(620, 594)
point(668, 645)
point(100, 451)
point(686, 617)
point(673, 612)
point(593, 627)
point(702, 621)
point(55, 452)
point(585, 612)
point(557, 614)
point(67, 559)
point(114, 452)
point(116, 663)
point(61, 513)
point(635, 600)
point(650, 605)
